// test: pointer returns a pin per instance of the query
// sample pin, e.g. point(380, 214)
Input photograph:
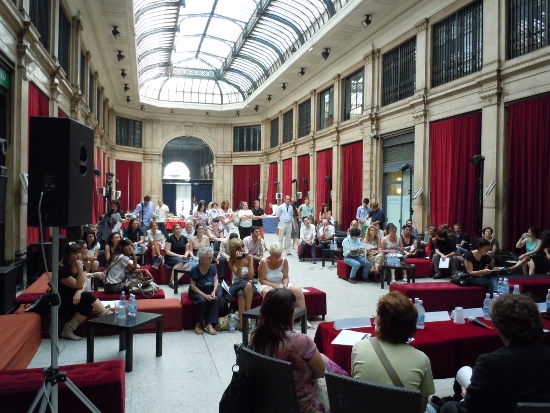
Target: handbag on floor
point(236, 397)
point(461, 278)
point(141, 285)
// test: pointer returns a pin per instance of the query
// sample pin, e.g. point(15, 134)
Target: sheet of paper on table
point(357, 322)
point(436, 316)
point(469, 312)
point(349, 338)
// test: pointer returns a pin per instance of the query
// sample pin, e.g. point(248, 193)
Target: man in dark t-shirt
point(259, 215)
point(445, 249)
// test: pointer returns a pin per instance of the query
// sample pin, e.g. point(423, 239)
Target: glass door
point(396, 200)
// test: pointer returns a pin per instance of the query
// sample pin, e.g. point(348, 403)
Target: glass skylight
point(219, 51)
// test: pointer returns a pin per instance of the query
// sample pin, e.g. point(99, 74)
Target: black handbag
point(236, 398)
point(461, 278)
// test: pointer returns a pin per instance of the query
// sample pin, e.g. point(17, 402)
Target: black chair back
point(349, 395)
point(532, 407)
point(274, 390)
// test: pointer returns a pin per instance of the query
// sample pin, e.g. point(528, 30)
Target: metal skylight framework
point(220, 51)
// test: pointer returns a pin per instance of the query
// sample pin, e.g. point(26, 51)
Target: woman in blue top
point(202, 292)
point(530, 240)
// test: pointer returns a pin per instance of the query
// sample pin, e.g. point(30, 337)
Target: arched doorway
point(187, 172)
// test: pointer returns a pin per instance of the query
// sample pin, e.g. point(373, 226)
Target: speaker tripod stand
point(48, 393)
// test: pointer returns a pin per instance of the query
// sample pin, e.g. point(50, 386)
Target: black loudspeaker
point(61, 163)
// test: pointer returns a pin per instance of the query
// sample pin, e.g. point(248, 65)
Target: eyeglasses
point(240, 247)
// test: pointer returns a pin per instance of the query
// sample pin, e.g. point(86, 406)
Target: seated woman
point(119, 266)
point(373, 252)
point(479, 266)
point(112, 242)
point(92, 252)
point(273, 274)
point(155, 240)
point(200, 240)
point(540, 263)
point(135, 234)
point(202, 292)
point(395, 324)
point(76, 303)
point(391, 244)
point(242, 267)
point(275, 337)
point(487, 233)
point(530, 240)
point(175, 251)
point(411, 248)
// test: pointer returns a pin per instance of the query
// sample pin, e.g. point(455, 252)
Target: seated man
point(517, 372)
point(445, 249)
point(223, 255)
point(307, 239)
point(353, 255)
point(325, 235)
point(461, 241)
point(254, 245)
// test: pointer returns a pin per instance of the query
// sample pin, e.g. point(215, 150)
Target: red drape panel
point(528, 177)
point(60, 114)
point(352, 181)
point(244, 178)
point(287, 177)
point(324, 168)
point(453, 178)
point(303, 172)
point(271, 189)
point(129, 175)
point(39, 105)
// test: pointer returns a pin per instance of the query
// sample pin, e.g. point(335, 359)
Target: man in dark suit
point(515, 373)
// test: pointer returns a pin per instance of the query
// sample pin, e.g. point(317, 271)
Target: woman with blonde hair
point(373, 250)
point(226, 218)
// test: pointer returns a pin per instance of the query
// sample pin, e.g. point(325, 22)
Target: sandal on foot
point(310, 326)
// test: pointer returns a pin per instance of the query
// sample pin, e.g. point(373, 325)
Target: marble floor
point(194, 370)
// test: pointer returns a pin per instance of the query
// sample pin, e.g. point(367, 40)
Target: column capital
point(422, 26)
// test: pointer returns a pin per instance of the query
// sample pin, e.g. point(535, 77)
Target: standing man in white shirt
point(284, 218)
point(307, 239)
point(161, 211)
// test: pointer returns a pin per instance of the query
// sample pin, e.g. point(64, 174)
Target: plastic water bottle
point(132, 306)
point(333, 245)
point(122, 306)
point(233, 320)
point(505, 286)
point(421, 316)
point(487, 307)
point(499, 285)
point(548, 301)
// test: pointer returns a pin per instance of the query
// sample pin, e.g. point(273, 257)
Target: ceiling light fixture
point(268, 98)
point(123, 73)
point(128, 99)
point(172, 112)
point(325, 54)
point(126, 87)
point(115, 32)
point(302, 72)
point(256, 108)
point(368, 20)
point(283, 87)
point(120, 56)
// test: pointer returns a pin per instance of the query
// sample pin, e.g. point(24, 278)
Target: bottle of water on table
point(122, 306)
point(505, 286)
point(421, 316)
point(548, 301)
point(132, 306)
point(487, 307)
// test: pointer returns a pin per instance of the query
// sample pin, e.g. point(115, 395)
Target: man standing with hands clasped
point(284, 218)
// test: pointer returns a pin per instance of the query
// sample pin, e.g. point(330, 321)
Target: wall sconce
point(302, 72)
point(477, 159)
point(142, 107)
point(268, 98)
point(325, 54)
point(374, 136)
point(283, 87)
point(238, 114)
point(128, 99)
point(294, 181)
point(172, 112)
point(276, 183)
point(126, 87)
point(256, 108)
point(123, 73)
point(327, 178)
point(207, 114)
point(115, 32)
point(304, 180)
point(405, 167)
point(368, 20)
point(490, 188)
point(120, 56)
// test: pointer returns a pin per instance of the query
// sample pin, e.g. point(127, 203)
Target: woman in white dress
point(226, 218)
point(273, 274)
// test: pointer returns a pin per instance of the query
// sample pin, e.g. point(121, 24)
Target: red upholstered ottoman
point(443, 296)
point(170, 308)
point(343, 271)
point(307, 252)
point(538, 287)
point(102, 382)
point(424, 267)
point(19, 340)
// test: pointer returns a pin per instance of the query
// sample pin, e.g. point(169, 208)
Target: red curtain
point(60, 114)
point(352, 181)
point(271, 189)
point(303, 172)
point(528, 177)
point(244, 178)
point(324, 168)
point(287, 177)
point(453, 178)
point(129, 175)
point(39, 105)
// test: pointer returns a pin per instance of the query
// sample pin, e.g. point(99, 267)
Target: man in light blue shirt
point(285, 213)
point(353, 255)
point(145, 210)
point(361, 215)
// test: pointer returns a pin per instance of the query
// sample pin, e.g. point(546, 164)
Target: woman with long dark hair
point(76, 302)
point(275, 337)
point(112, 240)
point(92, 251)
point(530, 240)
point(242, 269)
